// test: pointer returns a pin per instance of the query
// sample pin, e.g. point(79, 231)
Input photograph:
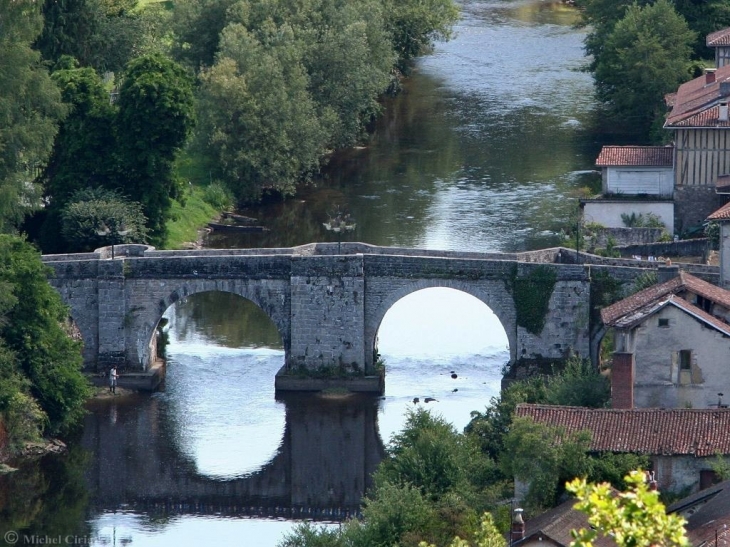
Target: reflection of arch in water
point(489, 292)
point(222, 353)
point(329, 449)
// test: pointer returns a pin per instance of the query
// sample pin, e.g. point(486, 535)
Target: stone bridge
point(327, 304)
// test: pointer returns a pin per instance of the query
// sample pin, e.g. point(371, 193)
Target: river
point(485, 150)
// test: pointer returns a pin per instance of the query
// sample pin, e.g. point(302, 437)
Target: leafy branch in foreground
point(635, 518)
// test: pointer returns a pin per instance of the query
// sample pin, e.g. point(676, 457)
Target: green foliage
point(531, 294)
point(614, 467)
point(197, 25)
point(562, 457)
point(46, 355)
point(491, 426)
point(285, 83)
point(644, 281)
point(398, 515)
point(30, 107)
point(268, 134)
point(486, 536)
point(102, 34)
point(712, 233)
point(635, 518)
point(721, 467)
point(610, 250)
point(307, 534)
point(154, 121)
point(217, 195)
point(605, 290)
point(579, 383)
point(650, 220)
point(82, 152)
point(431, 454)
point(24, 419)
point(644, 56)
point(98, 217)
point(416, 24)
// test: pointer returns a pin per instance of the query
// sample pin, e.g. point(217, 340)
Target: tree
point(96, 217)
point(416, 24)
point(102, 34)
point(154, 121)
point(635, 518)
point(562, 457)
point(645, 56)
point(268, 135)
point(486, 536)
point(34, 330)
point(30, 108)
point(197, 26)
point(82, 152)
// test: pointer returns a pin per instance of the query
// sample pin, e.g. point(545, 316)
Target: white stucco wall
point(657, 381)
point(680, 474)
point(654, 181)
point(607, 212)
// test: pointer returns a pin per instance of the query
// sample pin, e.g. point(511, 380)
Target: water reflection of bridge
point(329, 449)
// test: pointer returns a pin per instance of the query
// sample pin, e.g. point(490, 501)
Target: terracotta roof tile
point(723, 213)
point(718, 38)
point(696, 102)
point(656, 294)
point(636, 155)
point(656, 431)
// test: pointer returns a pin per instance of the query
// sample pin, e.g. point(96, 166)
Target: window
point(685, 359)
point(664, 323)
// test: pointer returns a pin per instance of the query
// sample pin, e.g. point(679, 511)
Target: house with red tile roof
point(720, 42)
point(683, 444)
point(672, 345)
point(636, 180)
point(700, 123)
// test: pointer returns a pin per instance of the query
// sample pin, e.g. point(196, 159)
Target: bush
point(25, 420)
point(217, 195)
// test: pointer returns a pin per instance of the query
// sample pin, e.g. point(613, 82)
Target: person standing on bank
point(113, 380)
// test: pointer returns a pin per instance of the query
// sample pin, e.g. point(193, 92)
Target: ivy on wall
point(531, 295)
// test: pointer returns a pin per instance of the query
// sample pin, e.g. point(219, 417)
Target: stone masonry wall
point(327, 313)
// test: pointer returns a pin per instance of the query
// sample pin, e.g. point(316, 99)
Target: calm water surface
point(485, 150)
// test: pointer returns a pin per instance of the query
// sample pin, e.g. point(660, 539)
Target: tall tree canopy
point(154, 121)
point(30, 107)
point(284, 83)
point(643, 58)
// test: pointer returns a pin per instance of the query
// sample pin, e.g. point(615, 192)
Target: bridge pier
point(112, 307)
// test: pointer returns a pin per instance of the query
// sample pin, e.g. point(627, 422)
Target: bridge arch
point(492, 297)
point(147, 318)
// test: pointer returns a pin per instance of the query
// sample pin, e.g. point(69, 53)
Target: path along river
point(484, 150)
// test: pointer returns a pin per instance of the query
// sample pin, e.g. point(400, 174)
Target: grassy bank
point(189, 219)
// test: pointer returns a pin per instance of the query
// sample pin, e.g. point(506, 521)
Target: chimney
point(724, 89)
point(723, 111)
point(709, 76)
point(622, 380)
point(518, 526)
